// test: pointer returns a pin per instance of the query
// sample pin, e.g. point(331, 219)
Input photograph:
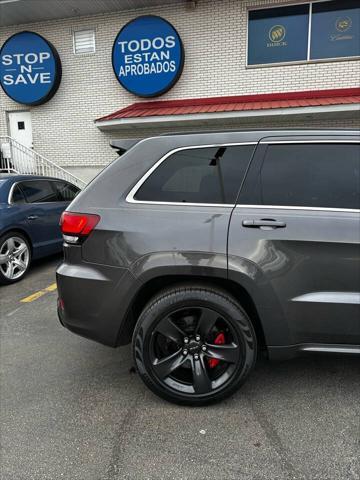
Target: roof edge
point(262, 97)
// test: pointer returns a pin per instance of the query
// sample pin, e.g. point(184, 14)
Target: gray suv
point(204, 249)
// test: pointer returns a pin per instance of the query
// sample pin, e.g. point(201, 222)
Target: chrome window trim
point(292, 207)
point(12, 188)
point(182, 204)
point(130, 196)
point(279, 142)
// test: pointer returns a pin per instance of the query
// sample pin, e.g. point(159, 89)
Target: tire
point(194, 345)
point(15, 257)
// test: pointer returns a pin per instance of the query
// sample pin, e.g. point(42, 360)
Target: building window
point(278, 35)
point(84, 41)
point(335, 30)
point(306, 32)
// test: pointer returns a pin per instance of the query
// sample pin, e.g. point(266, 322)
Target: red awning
point(268, 101)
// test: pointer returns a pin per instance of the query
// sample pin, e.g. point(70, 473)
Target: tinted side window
point(17, 195)
point(198, 175)
point(312, 175)
point(65, 191)
point(38, 191)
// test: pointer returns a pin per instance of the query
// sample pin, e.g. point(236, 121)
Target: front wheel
point(194, 345)
point(15, 257)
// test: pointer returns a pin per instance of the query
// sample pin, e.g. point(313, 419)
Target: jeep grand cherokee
point(204, 248)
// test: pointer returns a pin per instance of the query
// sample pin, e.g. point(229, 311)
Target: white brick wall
point(214, 37)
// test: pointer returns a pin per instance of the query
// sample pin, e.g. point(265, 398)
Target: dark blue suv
point(30, 209)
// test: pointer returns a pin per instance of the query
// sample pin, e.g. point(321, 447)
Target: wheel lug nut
point(196, 356)
point(185, 352)
point(197, 338)
point(186, 340)
point(203, 348)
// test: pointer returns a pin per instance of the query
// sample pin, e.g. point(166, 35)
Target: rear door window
point(38, 191)
point(311, 175)
point(198, 175)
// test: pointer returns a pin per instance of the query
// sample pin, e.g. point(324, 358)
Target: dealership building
point(77, 73)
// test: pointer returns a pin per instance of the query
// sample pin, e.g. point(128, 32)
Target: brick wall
point(214, 37)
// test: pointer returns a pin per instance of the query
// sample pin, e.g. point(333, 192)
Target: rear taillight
point(76, 226)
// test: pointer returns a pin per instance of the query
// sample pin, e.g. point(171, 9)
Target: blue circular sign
point(148, 56)
point(30, 68)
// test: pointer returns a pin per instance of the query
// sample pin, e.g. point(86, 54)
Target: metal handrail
point(16, 158)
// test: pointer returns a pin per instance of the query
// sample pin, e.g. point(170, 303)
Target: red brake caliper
point(219, 340)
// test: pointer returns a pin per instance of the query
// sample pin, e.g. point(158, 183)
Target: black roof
point(122, 145)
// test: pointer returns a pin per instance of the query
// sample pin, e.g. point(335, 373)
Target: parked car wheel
point(194, 345)
point(15, 257)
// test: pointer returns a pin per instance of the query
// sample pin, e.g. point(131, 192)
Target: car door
point(65, 193)
point(297, 219)
point(44, 214)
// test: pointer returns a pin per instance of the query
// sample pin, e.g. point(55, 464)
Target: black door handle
point(263, 223)
point(32, 217)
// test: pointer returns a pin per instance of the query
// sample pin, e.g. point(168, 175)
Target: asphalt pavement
point(72, 409)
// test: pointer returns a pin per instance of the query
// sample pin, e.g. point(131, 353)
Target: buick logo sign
point(277, 33)
point(148, 56)
point(30, 68)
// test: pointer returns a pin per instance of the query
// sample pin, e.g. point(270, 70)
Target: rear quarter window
point(198, 175)
point(17, 195)
point(66, 192)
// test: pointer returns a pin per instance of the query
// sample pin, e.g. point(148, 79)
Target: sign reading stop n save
point(148, 56)
point(30, 68)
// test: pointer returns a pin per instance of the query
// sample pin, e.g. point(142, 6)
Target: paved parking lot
point(72, 409)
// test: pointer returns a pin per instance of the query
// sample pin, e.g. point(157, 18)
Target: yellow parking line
point(40, 293)
point(51, 287)
point(33, 297)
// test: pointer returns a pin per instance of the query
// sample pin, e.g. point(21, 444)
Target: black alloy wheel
point(194, 345)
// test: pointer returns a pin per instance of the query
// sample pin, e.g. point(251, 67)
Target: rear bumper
point(94, 300)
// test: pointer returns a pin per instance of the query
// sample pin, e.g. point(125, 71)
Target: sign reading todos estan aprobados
point(148, 56)
point(30, 68)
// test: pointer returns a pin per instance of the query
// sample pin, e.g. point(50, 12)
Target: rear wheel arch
point(154, 286)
